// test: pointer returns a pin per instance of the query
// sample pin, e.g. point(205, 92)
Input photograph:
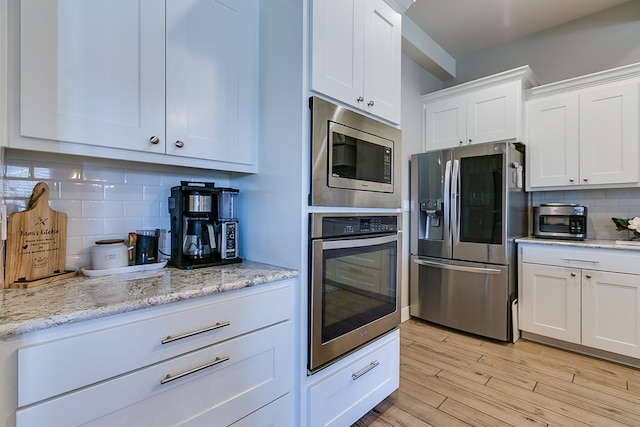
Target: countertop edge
point(14, 324)
point(587, 243)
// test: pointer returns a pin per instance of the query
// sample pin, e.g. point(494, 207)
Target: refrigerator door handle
point(480, 270)
point(455, 214)
point(447, 201)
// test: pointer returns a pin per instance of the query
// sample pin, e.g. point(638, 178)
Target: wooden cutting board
point(36, 242)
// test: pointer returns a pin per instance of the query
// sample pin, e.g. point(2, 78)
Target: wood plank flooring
point(448, 378)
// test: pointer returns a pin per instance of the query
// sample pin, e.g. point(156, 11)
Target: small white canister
point(108, 254)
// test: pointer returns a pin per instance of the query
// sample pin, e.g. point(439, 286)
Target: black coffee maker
point(195, 227)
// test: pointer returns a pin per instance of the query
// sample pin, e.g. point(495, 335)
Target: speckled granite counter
point(83, 298)
point(588, 243)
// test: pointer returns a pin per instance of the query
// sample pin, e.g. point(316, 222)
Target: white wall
point(598, 42)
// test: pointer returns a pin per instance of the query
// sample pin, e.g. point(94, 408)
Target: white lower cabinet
point(210, 361)
point(344, 395)
point(581, 295)
point(550, 301)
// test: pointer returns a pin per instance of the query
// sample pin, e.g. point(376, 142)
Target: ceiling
point(463, 27)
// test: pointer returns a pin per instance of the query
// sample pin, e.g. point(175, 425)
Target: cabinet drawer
point(105, 350)
point(602, 259)
point(275, 414)
point(253, 370)
point(346, 395)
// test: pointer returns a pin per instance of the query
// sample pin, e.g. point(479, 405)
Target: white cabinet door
point(483, 115)
point(382, 57)
point(611, 312)
point(553, 141)
point(550, 301)
point(93, 72)
point(609, 135)
point(211, 79)
point(445, 123)
point(337, 32)
point(492, 114)
point(355, 54)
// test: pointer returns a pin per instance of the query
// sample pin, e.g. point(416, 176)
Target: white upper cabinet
point(484, 110)
point(583, 133)
point(356, 54)
point(211, 80)
point(92, 74)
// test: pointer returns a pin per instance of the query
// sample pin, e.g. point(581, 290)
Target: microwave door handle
point(455, 214)
point(358, 243)
point(447, 200)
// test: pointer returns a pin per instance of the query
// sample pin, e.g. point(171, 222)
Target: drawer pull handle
point(190, 334)
point(364, 370)
point(170, 377)
point(581, 260)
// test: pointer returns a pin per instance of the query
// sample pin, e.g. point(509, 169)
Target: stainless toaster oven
point(560, 221)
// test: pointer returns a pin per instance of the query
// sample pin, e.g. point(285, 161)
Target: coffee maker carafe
point(195, 226)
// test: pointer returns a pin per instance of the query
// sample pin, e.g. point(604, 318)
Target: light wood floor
point(449, 378)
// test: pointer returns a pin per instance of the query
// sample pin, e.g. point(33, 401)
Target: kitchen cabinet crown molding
point(400, 5)
point(623, 73)
point(524, 74)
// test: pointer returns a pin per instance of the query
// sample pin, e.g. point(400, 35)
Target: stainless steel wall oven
point(355, 160)
point(354, 274)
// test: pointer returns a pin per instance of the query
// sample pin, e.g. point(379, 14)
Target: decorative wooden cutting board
point(36, 243)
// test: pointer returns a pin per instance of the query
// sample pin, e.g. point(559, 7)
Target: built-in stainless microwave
point(560, 221)
point(355, 160)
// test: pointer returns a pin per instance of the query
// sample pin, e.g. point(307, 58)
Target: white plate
point(128, 269)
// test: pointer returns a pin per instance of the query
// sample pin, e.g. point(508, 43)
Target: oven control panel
point(356, 225)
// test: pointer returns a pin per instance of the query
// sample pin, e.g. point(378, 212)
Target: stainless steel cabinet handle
point(154, 140)
point(469, 140)
point(580, 260)
point(573, 274)
point(588, 276)
point(370, 103)
point(571, 180)
point(170, 377)
point(179, 144)
point(364, 370)
point(360, 99)
point(461, 142)
point(585, 179)
point(199, 331)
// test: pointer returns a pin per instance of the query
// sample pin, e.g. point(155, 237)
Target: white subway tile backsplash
point(97, 173)
point(103, 199)
point(78, 227)
point(56, 171)
point(19, 169)
point(81, 191)
point(102, 209)
point(141, 209)
point(73, 208)
point(120, 227)
point(602, 205)
point(141, 177)
point(123, 192)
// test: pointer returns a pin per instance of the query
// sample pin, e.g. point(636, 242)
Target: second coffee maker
point(196, 226)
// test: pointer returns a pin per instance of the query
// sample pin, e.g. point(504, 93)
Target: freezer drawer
point(471, 297)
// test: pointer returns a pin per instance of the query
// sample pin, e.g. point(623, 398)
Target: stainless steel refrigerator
point(468, 204)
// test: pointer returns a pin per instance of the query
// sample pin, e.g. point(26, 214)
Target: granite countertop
point(84, 298)
point(587, 243)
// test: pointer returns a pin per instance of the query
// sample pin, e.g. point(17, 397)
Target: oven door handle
point(481, 270)
point(358, 243)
